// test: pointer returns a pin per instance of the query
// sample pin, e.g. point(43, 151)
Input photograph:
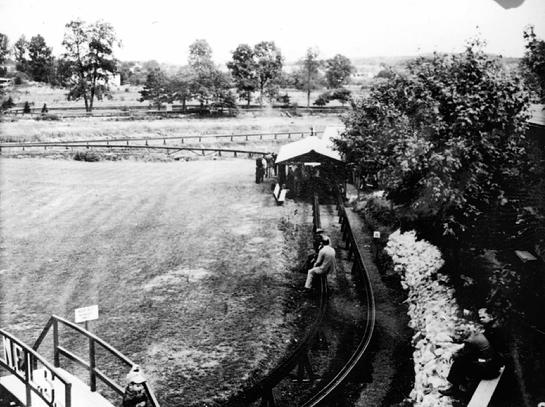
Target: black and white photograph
point(272, 204)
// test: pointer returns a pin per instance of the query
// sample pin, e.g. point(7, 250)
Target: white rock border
point(433, 315)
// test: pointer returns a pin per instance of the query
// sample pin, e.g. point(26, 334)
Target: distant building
point(6, 83)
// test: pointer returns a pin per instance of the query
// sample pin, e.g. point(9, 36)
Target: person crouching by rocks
point(475, 361)
point(135, 394)
point(324, 264)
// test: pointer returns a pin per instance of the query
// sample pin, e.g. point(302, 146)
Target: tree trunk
point(308, 97)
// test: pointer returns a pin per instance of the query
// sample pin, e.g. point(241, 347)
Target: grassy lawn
point(189, 263)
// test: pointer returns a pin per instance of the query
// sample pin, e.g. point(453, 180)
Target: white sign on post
point(376, 235)
point(86, 314)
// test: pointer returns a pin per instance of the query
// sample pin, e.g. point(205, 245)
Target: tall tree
point(156, 89)
point(446, 140)
point(4, 48)
point(89, 48)
point(20, 52)
point(339, 69)
point(309, 73)
point(243, 67)
point(40, 64)
point(182, 85)
point(269, 65)
point(533, 63)
point(200, 61)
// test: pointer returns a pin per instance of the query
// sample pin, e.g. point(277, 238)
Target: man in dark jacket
point(477, 360)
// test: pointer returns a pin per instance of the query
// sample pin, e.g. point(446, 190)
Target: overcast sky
point(164, 29)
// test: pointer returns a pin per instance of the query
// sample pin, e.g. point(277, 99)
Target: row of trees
point(252, 70)
point(85, 67)
point(88, 62)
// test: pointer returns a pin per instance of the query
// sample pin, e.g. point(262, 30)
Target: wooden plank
point(484, 391)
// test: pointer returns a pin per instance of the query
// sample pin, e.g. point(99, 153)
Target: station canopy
point(313, 149)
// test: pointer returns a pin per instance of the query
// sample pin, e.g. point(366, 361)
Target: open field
point(86, 128)
point(128, 95)
point(189, 263)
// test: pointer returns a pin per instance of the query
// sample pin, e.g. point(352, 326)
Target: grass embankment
point(189, 263)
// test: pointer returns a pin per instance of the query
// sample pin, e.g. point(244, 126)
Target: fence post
point(56, 360)
point(28, 394)
point(92, 364)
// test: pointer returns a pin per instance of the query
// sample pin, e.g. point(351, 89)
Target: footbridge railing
point(31, 370)
point(89, 363)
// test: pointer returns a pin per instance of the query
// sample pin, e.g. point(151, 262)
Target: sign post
point(86, 314)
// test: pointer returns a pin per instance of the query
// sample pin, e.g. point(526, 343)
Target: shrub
point(7, 104)
point(89, 156)
point(47, 116)
point(26, 108)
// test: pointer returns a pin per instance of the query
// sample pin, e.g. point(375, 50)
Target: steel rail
point(263, 388)
point(359, 268)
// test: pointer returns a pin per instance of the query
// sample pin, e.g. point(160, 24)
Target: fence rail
point(151, 140)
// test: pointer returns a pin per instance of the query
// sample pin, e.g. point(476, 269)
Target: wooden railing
point(22, 361)
point(90, 362)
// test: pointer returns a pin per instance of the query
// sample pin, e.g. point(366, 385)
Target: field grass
point(128, 95)
point(189, 263)
point(89, 128)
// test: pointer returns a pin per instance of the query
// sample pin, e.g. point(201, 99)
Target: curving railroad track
point(299, 358)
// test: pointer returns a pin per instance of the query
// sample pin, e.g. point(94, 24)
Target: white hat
point(135, 375)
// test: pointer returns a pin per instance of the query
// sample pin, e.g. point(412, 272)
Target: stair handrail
point(31, 357)
point(93, 371)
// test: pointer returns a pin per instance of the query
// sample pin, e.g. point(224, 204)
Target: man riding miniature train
point(325, 262)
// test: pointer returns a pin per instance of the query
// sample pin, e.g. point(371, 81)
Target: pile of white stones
point(433, 315)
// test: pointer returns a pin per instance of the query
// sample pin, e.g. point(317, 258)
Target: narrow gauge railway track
point(299, 357)
point(161, 140)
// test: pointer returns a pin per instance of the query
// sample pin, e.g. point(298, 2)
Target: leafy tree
point(309, 73)
point(62, 73)
point(269, 67)
point(8, 104)
point(4, 48)
point(20, 52)
point(243, 68)
point(446, 140)
point(533, 63)
point(342, 95)
point(156, 89)
point(338, 71)
point(181, 85)
point(89, 48)
point(40, 64)
point(204, 71)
